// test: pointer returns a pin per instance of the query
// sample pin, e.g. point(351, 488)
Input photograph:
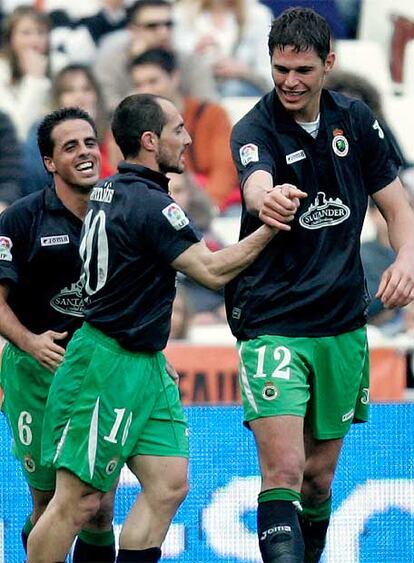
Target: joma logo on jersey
point(103, 194)
point(324, 213)
point(54, 240)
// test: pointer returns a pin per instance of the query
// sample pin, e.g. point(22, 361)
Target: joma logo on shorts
point(275, 530)
point(348, 415)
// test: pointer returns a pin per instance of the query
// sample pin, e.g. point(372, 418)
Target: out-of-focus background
point(210, 57)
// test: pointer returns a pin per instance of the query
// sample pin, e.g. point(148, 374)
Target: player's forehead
point(173, 117)
point(290, 57)
point(72, 129)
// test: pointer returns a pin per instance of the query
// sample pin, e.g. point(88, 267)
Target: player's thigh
point(160, 476)
point(165, 431)
point(340, 384)
point(26, 386)
point(274, 376)
point(106, 416)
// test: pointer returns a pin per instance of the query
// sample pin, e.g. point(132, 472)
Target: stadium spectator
point(209, 157)
point(74, 85)
point(150, 26)
point(111, 17)
point(11, 175)
point(135, 238)
point(308, 159)
point(24, 68)
point(206, 305)
point(228, 36)
point(41, 306)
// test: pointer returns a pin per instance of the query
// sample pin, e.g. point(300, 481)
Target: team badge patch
point(111, 466)
point(249, 153)
point(5, 249)
point(340, 144)
point(176, 216)
point(270, 391)
point(29, 464)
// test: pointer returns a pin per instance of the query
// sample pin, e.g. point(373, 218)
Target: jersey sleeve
point(12, 244)
point(250, 149)
point(167, 229)
point(379, 160)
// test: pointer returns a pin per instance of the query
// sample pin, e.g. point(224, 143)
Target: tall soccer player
point(299, 311)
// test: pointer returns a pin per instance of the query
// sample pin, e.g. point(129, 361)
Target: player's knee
point(286, 472)
point(87, 508)
point(317, 486)
point(172, 493)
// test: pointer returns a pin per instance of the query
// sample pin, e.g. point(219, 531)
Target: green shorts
point(107, 405)
point(26, 387)
point(324, 379)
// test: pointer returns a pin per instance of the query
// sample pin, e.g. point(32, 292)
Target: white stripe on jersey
point(61, 441)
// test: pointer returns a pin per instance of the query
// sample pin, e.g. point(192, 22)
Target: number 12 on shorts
point(281, 355)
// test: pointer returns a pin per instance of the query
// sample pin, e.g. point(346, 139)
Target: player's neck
point(145, 159)
point(74, 198)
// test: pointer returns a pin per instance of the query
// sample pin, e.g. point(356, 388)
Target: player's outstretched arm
point(215, 269)
point(396, 287)
point(276, 205)
point(41, 347)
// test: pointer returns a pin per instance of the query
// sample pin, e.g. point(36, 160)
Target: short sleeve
point(378, 158)
point(12, 245)
point(250, 148)
point(167, 229)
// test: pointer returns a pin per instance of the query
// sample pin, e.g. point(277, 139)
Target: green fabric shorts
point(107, 405)
point(324, 379)
point(26, 387)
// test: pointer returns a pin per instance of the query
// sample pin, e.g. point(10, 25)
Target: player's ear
point(149, 141)
point(330, 62)
point(50, 165)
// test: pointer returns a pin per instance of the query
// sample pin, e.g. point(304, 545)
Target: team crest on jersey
point(270, 391)
point(176, 216)
point(340, 144)
point(249, 153)
point(5, 249)
point(69, 300)
point(29, 464)
point(324, 213)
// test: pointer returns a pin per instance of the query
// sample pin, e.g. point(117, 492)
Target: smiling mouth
point(87, 166)
point(292, 94)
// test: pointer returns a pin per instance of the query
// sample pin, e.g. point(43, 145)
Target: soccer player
point(41, 305)
point(298, 312)
point(111, 400)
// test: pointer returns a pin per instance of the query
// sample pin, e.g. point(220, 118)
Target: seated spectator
point(209, 157)
point(231, 36)
point(206, 305)
point(111, 17)
point(150, 25)
point(377, 255)
point(10, 163)
point(358, 87)
point(24, 68)
point(74, 85)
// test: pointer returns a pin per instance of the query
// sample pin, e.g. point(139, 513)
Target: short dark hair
point(133, 116)
point(161, 58)
point(51, 120)
point(141, 4)
point(302, 28)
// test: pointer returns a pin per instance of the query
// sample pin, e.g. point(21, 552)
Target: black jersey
point(309, 281)
point(133, 231)
point(39, 260)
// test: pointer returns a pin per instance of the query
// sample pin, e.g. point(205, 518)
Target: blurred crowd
point(57, 53)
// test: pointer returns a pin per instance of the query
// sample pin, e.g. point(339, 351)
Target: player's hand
point(280, 205)
point(172, 372)
point(396, 287)
point(43, 348)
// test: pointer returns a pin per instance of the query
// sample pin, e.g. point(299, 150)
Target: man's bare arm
point(215, 269)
